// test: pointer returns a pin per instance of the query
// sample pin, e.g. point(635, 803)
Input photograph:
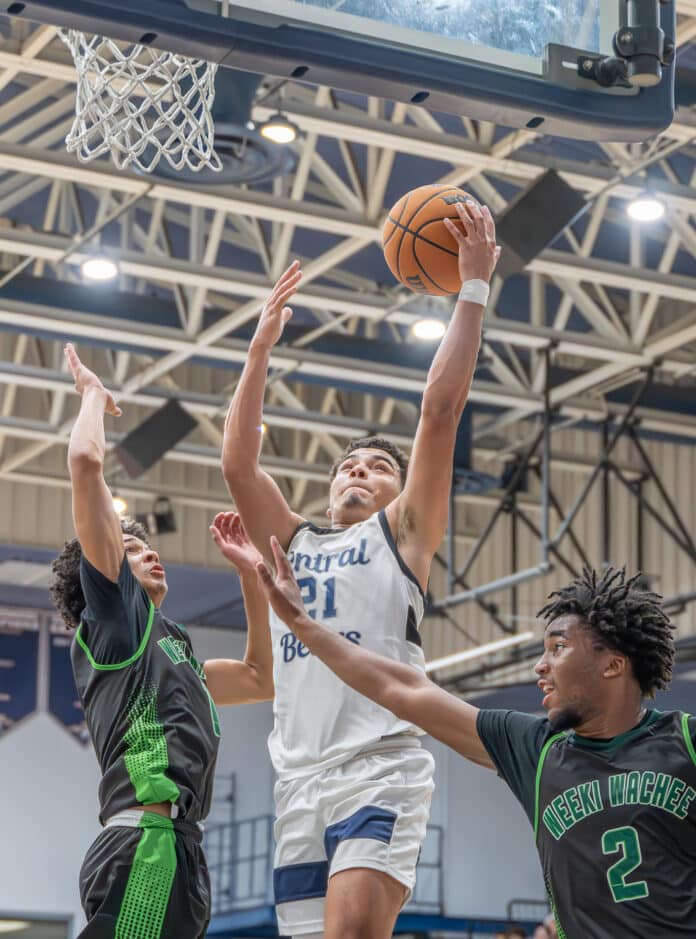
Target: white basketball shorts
point(371, 811)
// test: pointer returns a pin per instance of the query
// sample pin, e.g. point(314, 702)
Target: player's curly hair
point(65, 586)
point(374, 443)
point(624, 617)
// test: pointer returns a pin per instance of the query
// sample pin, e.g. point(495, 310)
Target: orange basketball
point(419, 250)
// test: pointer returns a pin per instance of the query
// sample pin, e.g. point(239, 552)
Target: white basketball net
point(141, 105)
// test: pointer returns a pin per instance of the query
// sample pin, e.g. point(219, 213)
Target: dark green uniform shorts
point(146, 882)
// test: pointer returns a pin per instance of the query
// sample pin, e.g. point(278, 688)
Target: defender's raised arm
point(97, 525)
point(231, 681)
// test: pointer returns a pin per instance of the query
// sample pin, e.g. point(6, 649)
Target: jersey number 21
point(311, 590)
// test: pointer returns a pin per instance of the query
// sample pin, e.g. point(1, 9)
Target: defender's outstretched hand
point(85, 378)
point(229, 535)
point(478, 252)
point(282, 591)
point(275, 313)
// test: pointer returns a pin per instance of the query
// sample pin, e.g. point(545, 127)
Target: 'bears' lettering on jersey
point(321, 564)
point(293, 649)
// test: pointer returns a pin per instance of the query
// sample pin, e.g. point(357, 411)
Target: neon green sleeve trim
point(687, 737)
point(136, 655)
point(537, 782)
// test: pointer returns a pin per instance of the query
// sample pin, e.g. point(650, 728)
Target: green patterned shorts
point(149, 882)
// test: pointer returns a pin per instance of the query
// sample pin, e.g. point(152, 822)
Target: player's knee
point(351, 930)
point(355, 923)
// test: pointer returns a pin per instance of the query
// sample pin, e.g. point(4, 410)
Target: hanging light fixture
point(646, 207)
point(99, 268)
point(428, 329)
point(279, 129)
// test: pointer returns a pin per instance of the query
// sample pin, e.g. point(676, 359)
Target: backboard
point(511, 62)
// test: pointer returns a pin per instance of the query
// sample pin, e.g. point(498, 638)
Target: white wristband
point(475, 291)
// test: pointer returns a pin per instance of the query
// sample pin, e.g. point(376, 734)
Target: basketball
point(419, 250)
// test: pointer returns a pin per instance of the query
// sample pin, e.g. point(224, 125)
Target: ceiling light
point(279, 129)
point(429, 329)
point(120, 505)
point(99, 269)
point(646, 208)
point(13, 925)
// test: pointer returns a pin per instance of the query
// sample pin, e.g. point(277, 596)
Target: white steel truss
point(597, 303)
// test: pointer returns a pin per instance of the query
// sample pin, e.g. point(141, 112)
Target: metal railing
point(526, 909)
point(240, 860)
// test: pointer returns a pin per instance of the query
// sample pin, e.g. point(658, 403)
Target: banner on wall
point(35, 672)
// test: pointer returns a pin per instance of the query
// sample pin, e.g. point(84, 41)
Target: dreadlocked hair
point(624, 617)
point(374, 443)
point(65, 586)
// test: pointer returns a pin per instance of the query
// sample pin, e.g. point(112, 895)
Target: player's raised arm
point(403, 690)
point(259, 500)
point(240, 682)
point(418, 518)
point(97, 525)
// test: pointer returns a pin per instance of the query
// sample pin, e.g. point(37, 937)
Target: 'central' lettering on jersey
point(660, 790)
point(322, 563)
point(292, 649)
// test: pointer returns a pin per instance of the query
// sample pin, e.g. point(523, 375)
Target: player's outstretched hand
point(276, 313)
point(478, 252)
point(85, 378)
point(229, 535)
point(282, 591)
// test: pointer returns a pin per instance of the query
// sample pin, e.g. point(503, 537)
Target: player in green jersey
point(609, 786)
point(150, 706)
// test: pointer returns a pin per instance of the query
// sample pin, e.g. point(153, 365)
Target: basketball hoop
point(140, 105)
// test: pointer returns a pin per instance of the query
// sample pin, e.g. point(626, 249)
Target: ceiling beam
point(379, 376)
point(126, 334)
point(390, 308)
point(349, 126)
point(210, 405)
point(233, 200)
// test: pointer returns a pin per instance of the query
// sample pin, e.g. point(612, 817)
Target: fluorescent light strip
point(479, 651)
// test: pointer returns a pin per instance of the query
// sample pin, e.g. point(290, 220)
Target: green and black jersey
point(614, 820)
point(153, 723)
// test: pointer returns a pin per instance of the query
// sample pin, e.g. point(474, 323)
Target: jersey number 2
point(626, 841)
point(308, 586)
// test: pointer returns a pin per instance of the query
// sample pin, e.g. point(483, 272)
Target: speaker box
point(533, 219)
point(161, 520)
point(145, 445)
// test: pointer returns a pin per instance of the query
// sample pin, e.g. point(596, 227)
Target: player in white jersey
point(351, 580)
point(354, 785)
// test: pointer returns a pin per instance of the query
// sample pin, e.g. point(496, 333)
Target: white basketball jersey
point(353, 581)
